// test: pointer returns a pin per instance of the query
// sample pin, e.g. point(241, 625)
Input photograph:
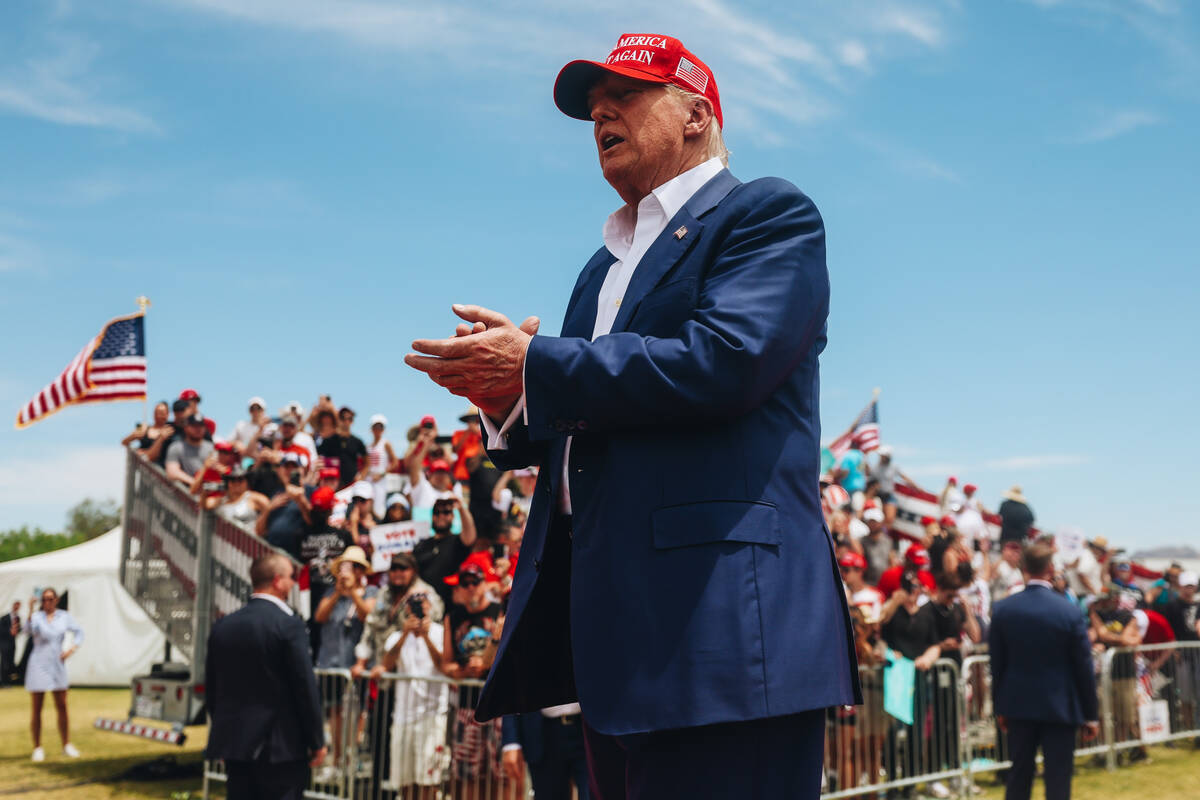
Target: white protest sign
point(396, 537)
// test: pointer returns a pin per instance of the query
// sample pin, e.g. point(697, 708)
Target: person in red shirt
point(916, 558)
point(210, 481)
point(467, 444)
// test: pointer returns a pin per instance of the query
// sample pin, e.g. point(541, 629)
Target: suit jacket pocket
point(716, 521)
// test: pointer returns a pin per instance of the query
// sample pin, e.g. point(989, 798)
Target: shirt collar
point(282, 605)
point(669, 197)
point(1039, 582)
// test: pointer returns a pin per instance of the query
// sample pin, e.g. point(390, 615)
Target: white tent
point(120, 641)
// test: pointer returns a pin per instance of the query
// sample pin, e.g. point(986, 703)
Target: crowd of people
point(929, 597)
point(306, 483)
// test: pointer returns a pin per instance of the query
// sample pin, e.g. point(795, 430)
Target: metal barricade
point(1143, 682)
point(869, 750)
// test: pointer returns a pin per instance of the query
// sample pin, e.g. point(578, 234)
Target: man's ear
point(700, 117)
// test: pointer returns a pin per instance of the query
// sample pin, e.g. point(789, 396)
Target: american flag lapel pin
point(682, 232)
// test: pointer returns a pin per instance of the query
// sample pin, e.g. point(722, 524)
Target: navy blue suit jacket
point(525, 730)
point(261, 692)
point(1041, 659)
point(702, 585)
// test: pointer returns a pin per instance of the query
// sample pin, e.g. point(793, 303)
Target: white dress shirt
point(627, 235)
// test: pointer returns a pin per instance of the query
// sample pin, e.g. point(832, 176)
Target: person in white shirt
point(247, 431)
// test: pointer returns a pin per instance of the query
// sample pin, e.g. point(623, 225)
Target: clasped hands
point(484, 361)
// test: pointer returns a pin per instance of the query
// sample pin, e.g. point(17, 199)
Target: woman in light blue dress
point(47, 668)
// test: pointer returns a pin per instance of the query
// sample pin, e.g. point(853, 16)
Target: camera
point(415, 606)
point(294, 478)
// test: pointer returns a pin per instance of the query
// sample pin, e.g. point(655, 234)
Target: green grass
point(1172, 772)
point(105, 756)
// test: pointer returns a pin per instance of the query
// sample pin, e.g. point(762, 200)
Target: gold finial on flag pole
point(875, 393)
point(143, 302)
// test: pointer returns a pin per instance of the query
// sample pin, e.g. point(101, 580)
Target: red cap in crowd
point(222, 446)
point(926, 521)
point(970, 488)
point(439, 465)
point(323, 499)
point(649, 57)
point(189, 394)
point(953, 481)
point(947, 522)
point(916, 555)
point(330, 472)
point(428, 420)
point(477, 564)
point(852, 559)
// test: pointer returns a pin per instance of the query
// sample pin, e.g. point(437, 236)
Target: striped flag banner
point(110, 367)
point(863, 432)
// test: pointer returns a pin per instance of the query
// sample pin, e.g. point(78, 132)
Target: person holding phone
point(47, 669)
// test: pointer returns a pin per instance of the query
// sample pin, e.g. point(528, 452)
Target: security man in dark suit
point(263, 706)
point(1043, 686)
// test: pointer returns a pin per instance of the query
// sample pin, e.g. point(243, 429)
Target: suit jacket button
point(581, 425)
point(537, 565)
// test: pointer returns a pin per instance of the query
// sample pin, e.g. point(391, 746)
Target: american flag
point(863, 432)
point(110, 367)
point(691, 73)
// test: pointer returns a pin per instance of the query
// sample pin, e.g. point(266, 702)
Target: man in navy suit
point(676, 577)
point(263, 708)
point(1043, 686)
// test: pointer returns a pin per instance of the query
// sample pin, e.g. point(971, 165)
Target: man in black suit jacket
point(264, 710)
point(1043, 686)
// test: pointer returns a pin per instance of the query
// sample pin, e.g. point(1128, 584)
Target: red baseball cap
point(947, 522)
point(916, 555)
point(428, 420)
point(852, 559)
point(970, 488)
point(477, 564)
point(322, 498)
point(222, 446)
point(330, 472)
point(440, 465)
point(189, 394)
point(926, 521)
point(649, 57)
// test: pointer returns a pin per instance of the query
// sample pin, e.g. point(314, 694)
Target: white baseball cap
point(872, 514)
point(378, 419)
point(1189, 578)
point(257, 401)
point(363, 489)
point(884, 450)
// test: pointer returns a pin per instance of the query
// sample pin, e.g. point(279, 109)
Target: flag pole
point(143, 303)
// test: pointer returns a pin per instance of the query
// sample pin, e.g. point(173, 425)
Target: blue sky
point(302, 187)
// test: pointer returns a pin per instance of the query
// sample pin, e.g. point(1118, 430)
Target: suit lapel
point(580, 318)
point(681, 233)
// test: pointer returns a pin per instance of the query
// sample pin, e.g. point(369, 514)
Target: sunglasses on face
point(467, 582)
point(438, 511)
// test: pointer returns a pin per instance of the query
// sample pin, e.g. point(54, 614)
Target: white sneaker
point(939, 789)
point(39, 754)
point(70, 751)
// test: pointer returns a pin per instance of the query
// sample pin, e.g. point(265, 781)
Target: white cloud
point(1118, 123)
point(853, 53)
point(56, 88)
point(771, 69)
point(63, 477)
point(1035, 461)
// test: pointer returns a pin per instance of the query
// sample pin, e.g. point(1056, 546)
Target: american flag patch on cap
point(691, 73)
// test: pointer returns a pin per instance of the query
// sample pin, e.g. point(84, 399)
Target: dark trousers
point(1058, 758)
point(8, 662)
point(764, 759)
point(259, 780)
point(564, 758)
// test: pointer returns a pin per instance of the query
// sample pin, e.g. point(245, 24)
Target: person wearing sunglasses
point(47, 669)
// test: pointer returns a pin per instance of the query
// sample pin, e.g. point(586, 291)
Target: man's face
point(194, 431)
point(401, 577)
point(639, 132)
point(1011, 555)
point(440, 480)
point(287, 430)
point(1188, 593)
point(255, 411)
point(852, 576)
point(472, 588)
point(442, 518)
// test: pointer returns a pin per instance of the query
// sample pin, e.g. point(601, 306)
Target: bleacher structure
point(186, 567)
